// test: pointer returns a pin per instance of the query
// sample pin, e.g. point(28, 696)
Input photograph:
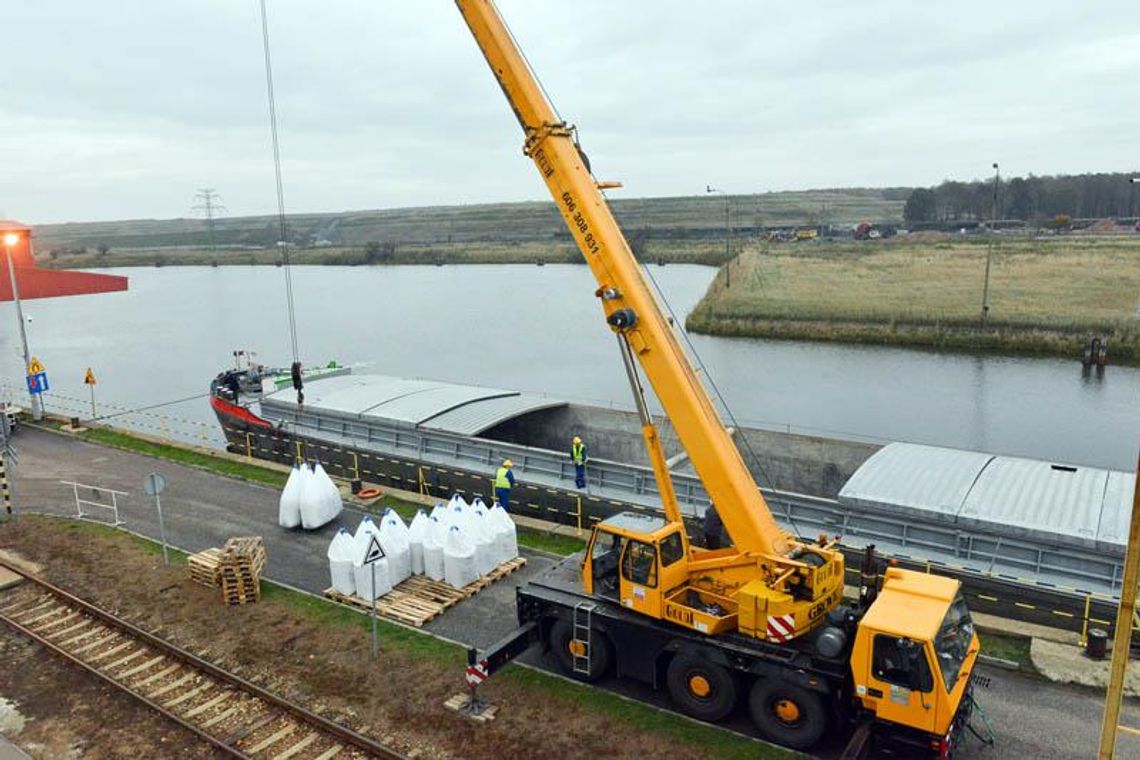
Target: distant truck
point(866, 231)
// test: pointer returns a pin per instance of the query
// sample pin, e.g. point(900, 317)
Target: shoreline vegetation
point(1046, 297)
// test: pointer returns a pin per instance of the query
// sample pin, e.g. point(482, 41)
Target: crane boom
point(629, 305)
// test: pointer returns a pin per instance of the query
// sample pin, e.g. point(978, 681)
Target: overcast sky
point(122, 108)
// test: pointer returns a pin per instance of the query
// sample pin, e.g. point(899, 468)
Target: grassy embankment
point(446, 658)
point(1046, 296)
point(533, 539)
point(688, 229)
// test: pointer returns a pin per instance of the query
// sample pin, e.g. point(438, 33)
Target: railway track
point(237, 717)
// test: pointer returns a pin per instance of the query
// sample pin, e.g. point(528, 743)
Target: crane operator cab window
point(639, 564)
point(901, 662)
point(605, 553)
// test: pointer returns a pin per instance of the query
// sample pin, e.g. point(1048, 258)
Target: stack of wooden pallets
point(205, 567)
point(241, 564)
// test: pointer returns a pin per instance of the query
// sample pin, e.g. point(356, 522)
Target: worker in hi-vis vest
point(578, 454)
point(504, 482)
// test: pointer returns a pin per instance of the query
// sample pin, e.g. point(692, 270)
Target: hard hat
point(508, 463)
point(577, 439)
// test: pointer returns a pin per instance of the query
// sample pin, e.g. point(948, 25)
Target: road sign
point(34, 366)
point(375, 552)
point(154, 484)
point(38, 383)
point(89, 378)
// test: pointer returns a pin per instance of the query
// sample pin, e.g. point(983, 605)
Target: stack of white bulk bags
point(289, 506)
point(481, 534)
point(362, 574)
point(458, 559)
point(506, 535)
point(417, 532)
point(340, 562)
point(324, 503)
point(433, 549)
point(394, 541)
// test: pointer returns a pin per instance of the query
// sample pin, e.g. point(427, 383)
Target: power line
point(209, 204)
point(283, 243)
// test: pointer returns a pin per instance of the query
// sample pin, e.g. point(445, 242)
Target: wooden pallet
point(242, 560)
point(419, 599)
point(205, 567)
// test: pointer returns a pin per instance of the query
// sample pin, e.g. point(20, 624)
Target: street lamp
point(11, 239)
point(1132, 195)
point(727, 236)
point(990, 247)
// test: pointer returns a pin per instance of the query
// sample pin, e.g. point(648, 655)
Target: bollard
point(1097, 644)
point(357, 485)
point(74, 422)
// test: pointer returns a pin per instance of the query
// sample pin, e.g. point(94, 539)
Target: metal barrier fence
point(149, 422)
point(412, 457)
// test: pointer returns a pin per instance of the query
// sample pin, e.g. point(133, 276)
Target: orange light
point(11, 238)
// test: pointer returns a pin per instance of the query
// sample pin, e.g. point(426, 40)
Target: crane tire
point(701, 688)
point(561, 637)
point(786, 713)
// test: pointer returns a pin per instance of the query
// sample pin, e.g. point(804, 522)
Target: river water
point(538, 329)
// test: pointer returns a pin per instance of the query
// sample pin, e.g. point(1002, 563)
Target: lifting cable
point(284, 231)
point(195, 397)
point(680, 327)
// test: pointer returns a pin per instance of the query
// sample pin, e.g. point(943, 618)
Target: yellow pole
point(1085, 627)
point(1123, 638)
point(249, 447)
point(355, 466)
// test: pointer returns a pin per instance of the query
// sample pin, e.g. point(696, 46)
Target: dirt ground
point(324, 666)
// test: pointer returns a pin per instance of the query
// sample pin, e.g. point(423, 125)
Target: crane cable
point(284, 231)
point(680, 327)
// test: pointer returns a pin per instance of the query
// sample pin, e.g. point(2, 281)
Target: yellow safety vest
point(501, 480)
point(578, 453)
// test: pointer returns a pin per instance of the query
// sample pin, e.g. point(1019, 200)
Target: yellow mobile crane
point(764, 615)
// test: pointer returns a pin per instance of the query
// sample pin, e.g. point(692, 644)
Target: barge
point(1013, 518)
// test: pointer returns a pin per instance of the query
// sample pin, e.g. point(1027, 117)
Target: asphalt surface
point(1031, 717)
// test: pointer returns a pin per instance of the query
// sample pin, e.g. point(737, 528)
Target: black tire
point(560, 637)
point(701, 688)
point(786, 713)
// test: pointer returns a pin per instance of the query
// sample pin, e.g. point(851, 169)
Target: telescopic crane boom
point(767, 572)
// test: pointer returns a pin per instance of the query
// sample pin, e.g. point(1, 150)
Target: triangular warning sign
point(375, 552)
point(34, 366)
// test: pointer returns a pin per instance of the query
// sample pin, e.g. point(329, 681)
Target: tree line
point(1028, 198)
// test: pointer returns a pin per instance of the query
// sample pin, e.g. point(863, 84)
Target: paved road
point(1032, 718)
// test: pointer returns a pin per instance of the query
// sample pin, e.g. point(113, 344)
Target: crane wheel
point(786, 713)
point(701, 688)
point(566, 647)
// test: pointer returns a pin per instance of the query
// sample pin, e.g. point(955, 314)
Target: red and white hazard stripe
point(477, 673)
point(781, 628)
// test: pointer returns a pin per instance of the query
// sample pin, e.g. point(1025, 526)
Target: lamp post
point(1132, 196)
point(990, 247)
point(727, 236)
point(11, 239)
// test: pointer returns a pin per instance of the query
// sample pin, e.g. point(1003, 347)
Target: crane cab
point(642, 561)
point(914, 654)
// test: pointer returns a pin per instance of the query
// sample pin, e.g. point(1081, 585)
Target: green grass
point(1045, 296)
point(191, 457)
point(1006, 647)
point(712, 741)
point(86, 529)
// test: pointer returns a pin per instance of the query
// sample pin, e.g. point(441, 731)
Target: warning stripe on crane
point(477, 673)
point(781, 628)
